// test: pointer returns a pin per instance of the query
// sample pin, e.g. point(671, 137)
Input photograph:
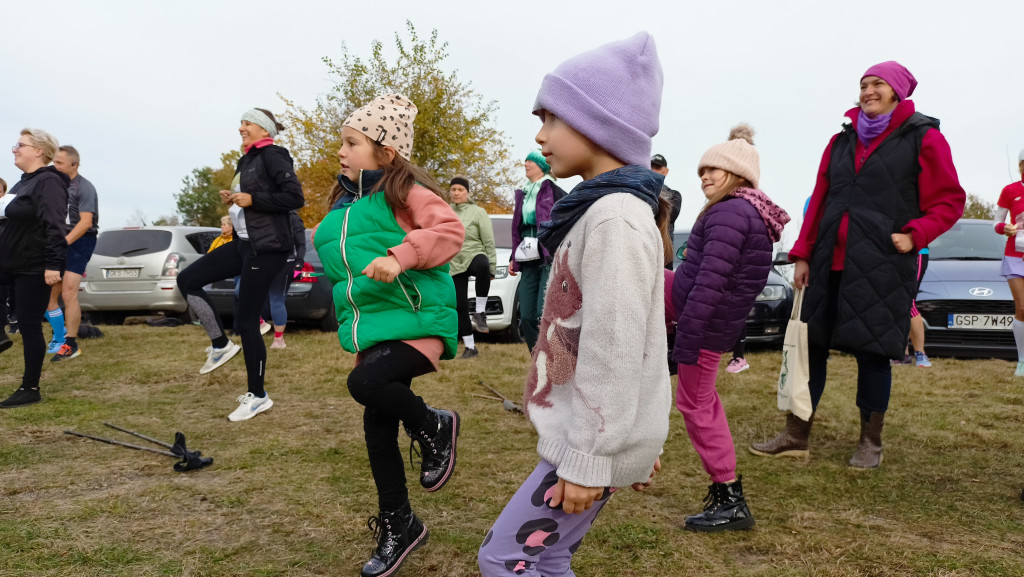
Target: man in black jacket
point(660, 165)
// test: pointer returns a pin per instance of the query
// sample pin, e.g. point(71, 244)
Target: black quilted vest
point(878, 283)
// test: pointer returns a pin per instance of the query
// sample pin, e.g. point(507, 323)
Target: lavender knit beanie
point(611, 95)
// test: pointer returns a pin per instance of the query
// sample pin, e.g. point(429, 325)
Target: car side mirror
point(781, 259)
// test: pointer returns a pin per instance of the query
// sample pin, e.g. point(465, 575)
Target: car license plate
point(121, 273)
point(980, 321)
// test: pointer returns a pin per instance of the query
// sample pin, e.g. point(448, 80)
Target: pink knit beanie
point(737, 156)
point(611, 95)
point(895, 75)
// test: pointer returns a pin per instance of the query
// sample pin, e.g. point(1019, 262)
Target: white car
point(503, 297)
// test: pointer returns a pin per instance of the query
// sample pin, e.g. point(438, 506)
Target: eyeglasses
point(22, 145)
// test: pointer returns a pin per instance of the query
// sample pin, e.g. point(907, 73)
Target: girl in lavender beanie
point(598, 389)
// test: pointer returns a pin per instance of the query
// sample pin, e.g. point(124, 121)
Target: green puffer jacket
point(479, 238)
point(418, 304)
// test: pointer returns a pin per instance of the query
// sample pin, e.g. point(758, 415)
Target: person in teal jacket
point(385, 245)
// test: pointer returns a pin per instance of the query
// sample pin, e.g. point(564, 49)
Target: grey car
point(135, 270)
point(964, 300)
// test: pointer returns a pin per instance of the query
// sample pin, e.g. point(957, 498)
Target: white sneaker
point(278, 343)
point(249, 405)
point(265, 327)
point(1020, 369)
point(217, 357)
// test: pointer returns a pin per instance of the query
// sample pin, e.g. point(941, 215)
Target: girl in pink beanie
point(598, 388)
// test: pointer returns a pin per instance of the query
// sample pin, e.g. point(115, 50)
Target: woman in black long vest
point(886, 188)
point(32, 248)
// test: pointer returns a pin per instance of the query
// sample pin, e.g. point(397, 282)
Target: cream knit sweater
point(598, 391)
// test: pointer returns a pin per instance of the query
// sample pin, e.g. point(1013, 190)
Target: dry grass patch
point(290, 491)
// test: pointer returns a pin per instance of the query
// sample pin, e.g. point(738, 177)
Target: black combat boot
point(398, 533)
point(437, 436)
point(724, 509)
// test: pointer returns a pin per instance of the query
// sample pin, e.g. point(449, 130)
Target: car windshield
point(968, 240)
point(502, 232)
point(132, 242)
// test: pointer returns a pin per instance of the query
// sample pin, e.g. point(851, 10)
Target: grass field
point(290, 491)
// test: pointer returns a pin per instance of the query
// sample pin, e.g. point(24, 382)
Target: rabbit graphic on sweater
point(558, 345)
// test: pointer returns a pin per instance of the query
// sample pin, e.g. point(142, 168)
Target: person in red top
point(1011, 201)
point(886, 188)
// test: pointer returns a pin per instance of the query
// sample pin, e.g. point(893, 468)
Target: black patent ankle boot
point(398, 533)
point(437, 436)
point(724, 509)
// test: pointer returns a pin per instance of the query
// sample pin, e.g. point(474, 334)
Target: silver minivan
point(135, 270)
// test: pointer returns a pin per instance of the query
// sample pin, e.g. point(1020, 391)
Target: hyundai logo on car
point(981, 291)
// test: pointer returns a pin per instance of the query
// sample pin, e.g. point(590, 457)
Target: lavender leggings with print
point(531, 538)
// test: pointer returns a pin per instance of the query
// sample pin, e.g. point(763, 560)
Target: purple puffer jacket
point(545, 200)
point(728, 257)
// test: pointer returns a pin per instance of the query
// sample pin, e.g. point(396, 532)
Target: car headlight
point(772, 292)
point(500, 272)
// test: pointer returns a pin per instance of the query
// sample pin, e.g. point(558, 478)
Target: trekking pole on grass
point(190, 460)
point(505, 402)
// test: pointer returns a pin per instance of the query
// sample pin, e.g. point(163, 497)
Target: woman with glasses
point(32, 248)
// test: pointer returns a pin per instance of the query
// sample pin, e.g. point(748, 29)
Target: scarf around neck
point(773, 215)
point(367, 185)
point(634, 179)
point(869, 128)
point(530, 192)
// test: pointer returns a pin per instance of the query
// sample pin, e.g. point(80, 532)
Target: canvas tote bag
point(794, 375)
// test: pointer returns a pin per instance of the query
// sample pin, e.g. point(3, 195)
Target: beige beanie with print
point(387, 120)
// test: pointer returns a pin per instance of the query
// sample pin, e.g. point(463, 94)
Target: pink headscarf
point(895, 75)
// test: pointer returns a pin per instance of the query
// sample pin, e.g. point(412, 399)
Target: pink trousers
point(698, 401)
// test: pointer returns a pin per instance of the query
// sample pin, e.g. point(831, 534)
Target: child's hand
point(574, 498)
point(650, 481)
point(903, 242)
point(383, 269)
point(1010, 230)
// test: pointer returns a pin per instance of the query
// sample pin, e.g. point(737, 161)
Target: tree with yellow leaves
point(455, 135)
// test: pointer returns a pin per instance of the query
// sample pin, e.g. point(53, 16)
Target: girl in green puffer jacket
point(385, 245)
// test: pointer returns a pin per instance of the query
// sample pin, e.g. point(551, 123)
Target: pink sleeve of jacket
point(435, 233)
point(941, 197)
point(804, 245)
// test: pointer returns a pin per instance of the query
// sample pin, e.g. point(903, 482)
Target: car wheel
point(330, 321)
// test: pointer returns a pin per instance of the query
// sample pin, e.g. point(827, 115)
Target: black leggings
point(874, 373)
point(479, 267)
point(31, 295)
point(257, 271)
point(382, 383)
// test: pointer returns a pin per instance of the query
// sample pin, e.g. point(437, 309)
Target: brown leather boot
point(869, 451)
point(791, 442)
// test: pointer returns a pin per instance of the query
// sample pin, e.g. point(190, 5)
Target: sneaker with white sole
point(265, 327)
point(217, 357)
point(278, 343)
point(921, 359)
point(249, 405)
point(737, 365)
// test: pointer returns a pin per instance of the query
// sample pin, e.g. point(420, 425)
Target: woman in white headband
point(263, 192)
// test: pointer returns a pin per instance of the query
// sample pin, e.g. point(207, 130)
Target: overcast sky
point(148, 91)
